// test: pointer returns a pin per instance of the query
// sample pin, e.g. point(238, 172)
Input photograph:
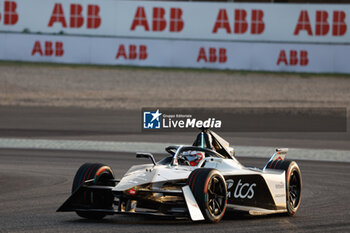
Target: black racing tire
point(210, 191)
point(293, 183)
point(101, 175)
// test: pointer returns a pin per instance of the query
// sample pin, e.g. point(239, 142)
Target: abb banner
point(326, 58)
point(321, 23)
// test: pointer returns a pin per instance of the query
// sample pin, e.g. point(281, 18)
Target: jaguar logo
point(242, 190)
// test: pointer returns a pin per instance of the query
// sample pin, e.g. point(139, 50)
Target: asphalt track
point(74, 123)
point(33, 183)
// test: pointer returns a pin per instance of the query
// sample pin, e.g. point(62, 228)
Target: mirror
point(146, 155)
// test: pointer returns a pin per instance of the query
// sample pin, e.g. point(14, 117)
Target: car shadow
point(151, 220)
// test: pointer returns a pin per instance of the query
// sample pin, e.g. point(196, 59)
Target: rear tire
point(293, 183)
point(101, 175)
point(210, 191)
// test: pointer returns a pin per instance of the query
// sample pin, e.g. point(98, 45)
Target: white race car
point(201, 182)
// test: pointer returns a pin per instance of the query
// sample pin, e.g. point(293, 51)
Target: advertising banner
point(288, 23)
point(324, 58)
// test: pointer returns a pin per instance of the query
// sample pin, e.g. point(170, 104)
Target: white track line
point(133, 147)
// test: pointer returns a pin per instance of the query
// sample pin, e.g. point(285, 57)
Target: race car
point(200, 182)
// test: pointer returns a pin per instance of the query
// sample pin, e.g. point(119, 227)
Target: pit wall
point(237, 36)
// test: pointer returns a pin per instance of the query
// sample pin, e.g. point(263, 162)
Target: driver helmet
point(193, 157)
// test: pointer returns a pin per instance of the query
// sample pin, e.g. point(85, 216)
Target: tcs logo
point(10, 16)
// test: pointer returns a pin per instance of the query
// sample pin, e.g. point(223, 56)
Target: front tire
point(293, 183)
point(100, 174)
point(210, 191)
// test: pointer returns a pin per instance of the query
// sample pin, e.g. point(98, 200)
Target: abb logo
point(135, 52)
point(10, 14)
point(76, 19)
point(240, 23)
point(48, 48)
point(294, 58)
point(159, 23)
point(212, 55)
point(322, 26)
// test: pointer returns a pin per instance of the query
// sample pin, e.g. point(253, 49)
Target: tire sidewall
point(198, 181)
point(94, 171)
point(293, 167)
point(213, 218)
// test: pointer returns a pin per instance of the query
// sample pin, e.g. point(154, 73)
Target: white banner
point(321, 23)
point(323, 58)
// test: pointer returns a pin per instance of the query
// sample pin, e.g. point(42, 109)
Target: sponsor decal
point(10, 15)
point(229, 183)
point(279, 186)
point(132, 52)
point(322, 25)
point(132, 191)
point(280, 195)
point(249, 190)
point(159, 21)
point(48, 48)
point(240, 22)
point(76, 19)
point(295, 58)
point(212, 55)
point(242, 190)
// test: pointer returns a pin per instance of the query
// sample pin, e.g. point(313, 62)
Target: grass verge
point(172, 69)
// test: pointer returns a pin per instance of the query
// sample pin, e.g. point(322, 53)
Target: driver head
point(193, 157)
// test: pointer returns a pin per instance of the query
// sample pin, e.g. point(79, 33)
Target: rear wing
point(280, 154)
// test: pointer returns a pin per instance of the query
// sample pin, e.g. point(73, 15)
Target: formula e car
point(199, 182)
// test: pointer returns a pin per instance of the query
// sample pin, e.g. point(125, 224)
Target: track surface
point(33, 183)
point(125, 125)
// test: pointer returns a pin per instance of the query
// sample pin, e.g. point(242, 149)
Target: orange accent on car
point(102, 169)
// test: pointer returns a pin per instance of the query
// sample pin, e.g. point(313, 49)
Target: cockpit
point(207, 144)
